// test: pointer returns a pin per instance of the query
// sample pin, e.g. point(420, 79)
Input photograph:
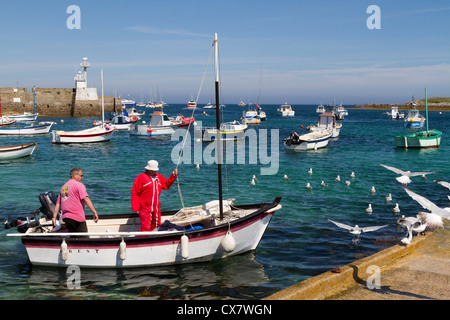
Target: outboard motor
point(48, 203)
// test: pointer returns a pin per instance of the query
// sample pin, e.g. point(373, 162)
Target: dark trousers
point(75, 226)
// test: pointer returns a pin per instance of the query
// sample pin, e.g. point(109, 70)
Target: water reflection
point(233, 278)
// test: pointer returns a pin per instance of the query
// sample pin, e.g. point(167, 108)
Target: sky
point(295, 51)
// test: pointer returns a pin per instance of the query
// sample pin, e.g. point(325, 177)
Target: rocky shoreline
point(432, 106)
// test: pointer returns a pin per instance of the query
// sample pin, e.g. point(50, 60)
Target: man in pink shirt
point(145, 195)
point(71, 201)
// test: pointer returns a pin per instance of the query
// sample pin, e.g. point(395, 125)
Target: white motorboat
point(122, 122)
point(327, 121)
point(285, 110)
point(132, 112)
point(28, 130)
point(209, 106)
point(192, 104)
point(222, 229)
point(128, 103)
point(159, 125)
point(320, 108)
point(17, 151)
point(308, 141)
point(395, 114)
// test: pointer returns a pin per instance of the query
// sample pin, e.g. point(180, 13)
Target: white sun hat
point(152, 165)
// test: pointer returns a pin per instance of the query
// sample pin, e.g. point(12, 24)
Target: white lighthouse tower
point(82, 91)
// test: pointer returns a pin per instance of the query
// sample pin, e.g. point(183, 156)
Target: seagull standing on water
point(369, 208)
point(396, 209)
point(434, 219)
point(405, 175)
point(356, 230)
point(310, 171)
point(388, 198)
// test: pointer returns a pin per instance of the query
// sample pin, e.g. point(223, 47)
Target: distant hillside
point(436, 104)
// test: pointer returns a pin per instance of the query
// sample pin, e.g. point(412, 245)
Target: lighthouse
point(82, 91)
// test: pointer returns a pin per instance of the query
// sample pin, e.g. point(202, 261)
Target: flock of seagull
point(433, 219)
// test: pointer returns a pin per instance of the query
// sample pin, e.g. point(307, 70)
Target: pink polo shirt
point(71, 200)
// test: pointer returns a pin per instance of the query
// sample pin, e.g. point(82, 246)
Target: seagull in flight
point(405, 175)
point(356, 230)
point(434, 219)
point(444, 184)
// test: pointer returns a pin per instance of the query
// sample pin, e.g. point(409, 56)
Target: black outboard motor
point(48, 202)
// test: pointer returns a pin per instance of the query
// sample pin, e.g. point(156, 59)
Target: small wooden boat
point(228, 131)
point(308, 141)
point(29, 130)
point(92, 135)
point(5, 121)
point(25, 117)
point(18, 151)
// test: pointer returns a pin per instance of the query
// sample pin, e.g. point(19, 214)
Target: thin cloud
point(178, 32)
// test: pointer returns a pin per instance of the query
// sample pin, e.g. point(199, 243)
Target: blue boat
point(414, 119)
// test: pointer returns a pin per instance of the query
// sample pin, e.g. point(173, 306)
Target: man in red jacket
point(145, 195)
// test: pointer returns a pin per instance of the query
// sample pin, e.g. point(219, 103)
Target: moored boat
point(25, 117)
point(159, 125)
point(285, 110)
point(5, 121)
point(28, 130)
point(414, 119)
point(192, 104)
point(307, 141)
point(232, 130)
point(17, 151)
point(421, 139)
point(327, 121)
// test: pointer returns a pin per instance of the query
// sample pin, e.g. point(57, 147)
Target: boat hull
point(85, 136)
point(159, 248)
point(18, 151)
point(151, 131)
point(27, 131)
point(421, 139)
point(309, 141)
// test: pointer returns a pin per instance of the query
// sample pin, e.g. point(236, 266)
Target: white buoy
point(184, 246)
point(123, 250)
point(64, 250)
point(228, 243)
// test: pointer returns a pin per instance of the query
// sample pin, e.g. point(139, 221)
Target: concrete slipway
point(419, 271)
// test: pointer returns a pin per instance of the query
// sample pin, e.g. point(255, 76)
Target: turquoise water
point(299, 242)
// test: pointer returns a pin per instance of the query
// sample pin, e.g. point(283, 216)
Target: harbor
point(299, 244)
point(307, 159)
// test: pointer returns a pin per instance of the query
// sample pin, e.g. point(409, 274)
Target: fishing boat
point(27, 130)
point(414, 119)
point(285, 110)
point(233, 130)
point(251, 117)
point(101, 133)
point(122, 122)
point(132, 112)
point(421, 139)
point(241, 104)
point(327, 121)
point(222, 229)
point(159, 125)
point(340, 112)
point(18, 151)
point(209, 106)
point(308, 141)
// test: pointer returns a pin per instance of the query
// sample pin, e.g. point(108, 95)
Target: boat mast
point(103, 105)
point(426, 107)
point(219, 146)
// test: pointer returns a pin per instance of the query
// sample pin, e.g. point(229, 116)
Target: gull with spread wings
point(405, 175)
point(356, 230)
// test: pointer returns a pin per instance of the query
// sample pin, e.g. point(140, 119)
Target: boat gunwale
point(261, 208)
point(17, 147)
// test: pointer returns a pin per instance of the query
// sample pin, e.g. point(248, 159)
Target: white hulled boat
point(17, 151)
point(308, 141)
point(285, 110)
point(159, 125)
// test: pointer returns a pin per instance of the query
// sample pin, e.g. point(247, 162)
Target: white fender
point(228, 243)
point(184, 246)
point(64, 250)
point(123, 250)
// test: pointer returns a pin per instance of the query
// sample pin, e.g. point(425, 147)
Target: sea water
point(299, 242)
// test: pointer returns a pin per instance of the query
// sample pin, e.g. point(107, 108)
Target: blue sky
point(309, 52)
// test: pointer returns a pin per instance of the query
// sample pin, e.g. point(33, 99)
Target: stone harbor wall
point(54, 102)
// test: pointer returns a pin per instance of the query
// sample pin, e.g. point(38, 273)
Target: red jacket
point(146, 191)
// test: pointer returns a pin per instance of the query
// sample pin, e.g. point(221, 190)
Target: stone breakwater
point(54, 102)
point(432, 106)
